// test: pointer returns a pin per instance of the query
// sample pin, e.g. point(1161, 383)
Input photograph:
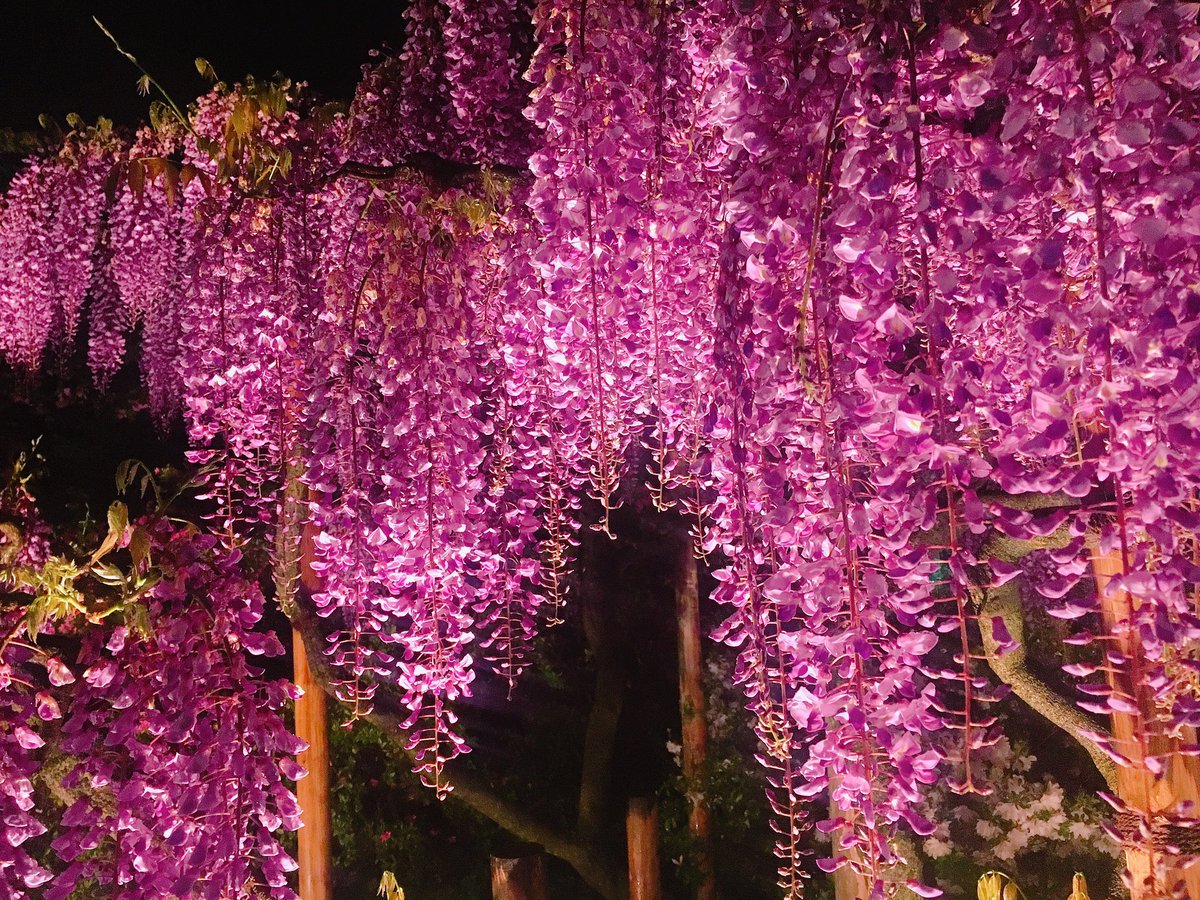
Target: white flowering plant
point(1029, 825)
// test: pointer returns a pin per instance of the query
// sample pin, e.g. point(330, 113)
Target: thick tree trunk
point(692, 716)
point(641, 830)
point(1149, 796)
point(519, 878)
point(1003, 605)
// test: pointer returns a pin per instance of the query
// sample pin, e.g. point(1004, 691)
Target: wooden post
point(1180, 782)
point(641, 833)
point(694, 726)
point(519, 878)
point(314, 844)
point(312, 791)
point(847, 884)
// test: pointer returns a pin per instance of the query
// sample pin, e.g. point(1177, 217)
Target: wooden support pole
point(519, 878)
point(849, 885)
point(314, 840)
point(312, 791)
point(1178, 788)
point(641, 833)
point(694, 725)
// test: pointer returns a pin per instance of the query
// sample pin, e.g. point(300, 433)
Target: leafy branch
point(59, 586)
point(148, 81)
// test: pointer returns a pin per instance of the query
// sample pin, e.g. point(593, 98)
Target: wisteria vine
point(144, 753)
point(900, 301)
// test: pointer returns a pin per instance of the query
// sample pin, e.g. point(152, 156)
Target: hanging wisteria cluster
point(146, 758)
point(900, 302)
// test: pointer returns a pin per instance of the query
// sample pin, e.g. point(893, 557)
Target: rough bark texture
point(1148, 839)
point(1004, 603)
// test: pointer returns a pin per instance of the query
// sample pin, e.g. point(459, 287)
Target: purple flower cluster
point(159, 750)
point(881, 297)
point(181, 744)
point(49, 234)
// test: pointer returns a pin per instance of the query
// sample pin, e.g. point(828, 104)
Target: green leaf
point(118, 517)
point(158, 111)
point(107, 573)
point(142, 584)
point(125, 472)
point(276, 102)
point(389, 888)
point(51, 125)
point(118, 522)
point(204, 67)
point(112, 181)
point(139, 547)
point(244, 117)
point(35, 616)
point(137, 619)
point(208, 145)
point(171, 186)
point(137, 178)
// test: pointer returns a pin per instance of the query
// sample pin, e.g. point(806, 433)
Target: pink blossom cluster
point(877, 290)
point(52, 218)
point(159, 751)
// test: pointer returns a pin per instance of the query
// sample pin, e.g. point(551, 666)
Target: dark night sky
point(54, 59)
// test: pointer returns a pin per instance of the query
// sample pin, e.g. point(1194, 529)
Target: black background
point(54, 60)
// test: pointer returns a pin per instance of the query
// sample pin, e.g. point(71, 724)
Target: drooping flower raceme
point(900, 307)
point(160, 750)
